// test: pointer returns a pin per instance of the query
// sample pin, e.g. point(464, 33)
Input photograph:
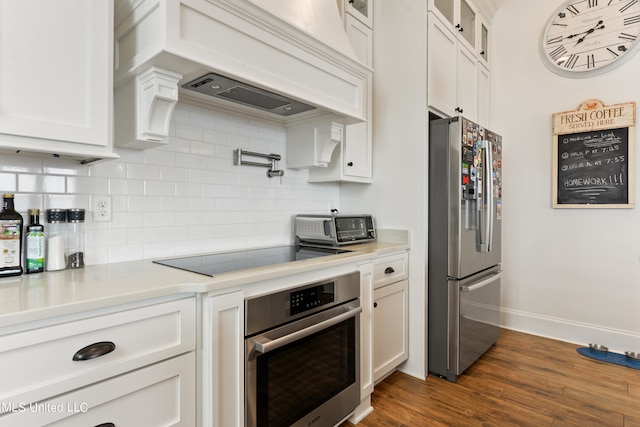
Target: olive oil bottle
point(34, 248)
point(11, 223)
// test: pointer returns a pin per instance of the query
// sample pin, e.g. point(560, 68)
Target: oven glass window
point(295, 379)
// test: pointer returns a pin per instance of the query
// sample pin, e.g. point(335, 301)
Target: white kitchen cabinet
point(459, 15)
point(222, 373)
point(458, 46)
point(452, 76)
point(390, 314)
point(162, 394)
point(115, 342)
point(351, 161)
point(56, 77)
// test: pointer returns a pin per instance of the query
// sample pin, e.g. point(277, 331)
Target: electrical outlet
point(101, 208)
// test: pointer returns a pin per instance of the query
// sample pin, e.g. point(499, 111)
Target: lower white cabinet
point(390, 323)
point(159, 395)
point(69, 368)
point(390, 313)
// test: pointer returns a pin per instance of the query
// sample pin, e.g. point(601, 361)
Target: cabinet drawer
point(159, 395)
point(38, 363)
point(390, 269)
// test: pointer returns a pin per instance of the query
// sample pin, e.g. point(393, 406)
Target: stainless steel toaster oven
point(334, 230)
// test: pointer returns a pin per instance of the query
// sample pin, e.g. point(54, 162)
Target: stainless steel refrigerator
point(465, 218)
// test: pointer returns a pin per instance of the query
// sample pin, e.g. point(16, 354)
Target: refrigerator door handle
point(486, 224)
point(488, 176)
point(481, 284)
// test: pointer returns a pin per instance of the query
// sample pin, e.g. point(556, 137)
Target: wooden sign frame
point(593, 156)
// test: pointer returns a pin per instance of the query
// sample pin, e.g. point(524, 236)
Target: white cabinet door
point(441, 60)
point(56, 68)
point(223, 360)
point(467, 84)
point(391, 331)
point(483, 95)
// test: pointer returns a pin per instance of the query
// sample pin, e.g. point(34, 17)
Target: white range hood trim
point(242, 41)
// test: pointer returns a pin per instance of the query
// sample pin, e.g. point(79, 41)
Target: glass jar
point(56, 239)
point(75, 238)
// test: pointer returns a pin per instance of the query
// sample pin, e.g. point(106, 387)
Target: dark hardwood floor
point(524, 380)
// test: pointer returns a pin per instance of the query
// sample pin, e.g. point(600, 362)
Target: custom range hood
point(286, 60)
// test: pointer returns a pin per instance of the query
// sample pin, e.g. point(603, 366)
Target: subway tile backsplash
point(186, 197)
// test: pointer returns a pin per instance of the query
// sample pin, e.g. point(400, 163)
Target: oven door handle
point(269, 345)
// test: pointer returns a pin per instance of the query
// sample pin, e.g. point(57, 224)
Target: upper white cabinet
point(56, 77)
point(458, 47)
point(351, 160)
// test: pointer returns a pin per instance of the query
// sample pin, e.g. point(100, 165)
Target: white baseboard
point(581, 334)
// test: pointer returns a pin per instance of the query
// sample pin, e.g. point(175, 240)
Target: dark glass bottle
point(11, 223)
point(34, 248)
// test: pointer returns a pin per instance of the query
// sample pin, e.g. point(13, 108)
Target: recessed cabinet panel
point(483, 95)
point(467, 84)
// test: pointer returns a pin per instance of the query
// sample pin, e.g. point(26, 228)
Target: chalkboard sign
point(594, 166)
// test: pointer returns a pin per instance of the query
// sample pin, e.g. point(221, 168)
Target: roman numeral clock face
point(588, 37)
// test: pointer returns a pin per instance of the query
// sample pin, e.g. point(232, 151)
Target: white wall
point(187, 197)
point(572, 274)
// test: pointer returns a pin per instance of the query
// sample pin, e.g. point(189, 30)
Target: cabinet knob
point(375, 305)
point(482, 52)
point(459, 27)
point(459, 110)
point(94, 350)
point(389, 270)
point(350, 164)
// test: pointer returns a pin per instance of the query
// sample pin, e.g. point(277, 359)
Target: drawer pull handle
point(389, 270)
point(106, 425)
point(94, 350)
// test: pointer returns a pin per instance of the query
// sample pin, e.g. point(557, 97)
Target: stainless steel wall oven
point(302, 354)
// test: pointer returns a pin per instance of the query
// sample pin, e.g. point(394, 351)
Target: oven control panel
point(309, 298)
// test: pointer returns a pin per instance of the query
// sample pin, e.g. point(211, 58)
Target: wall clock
point(589, 37)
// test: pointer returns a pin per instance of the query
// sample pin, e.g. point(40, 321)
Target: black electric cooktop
point(225, 262)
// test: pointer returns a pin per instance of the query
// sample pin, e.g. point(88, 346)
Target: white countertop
point(44, 295)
